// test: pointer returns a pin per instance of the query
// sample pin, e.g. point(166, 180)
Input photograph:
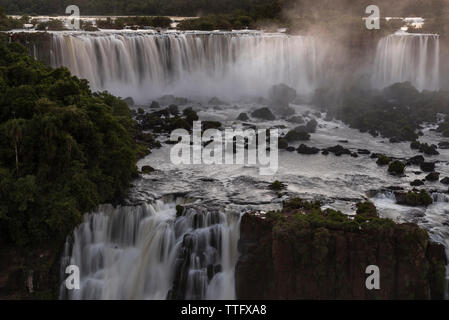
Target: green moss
point(396, 167)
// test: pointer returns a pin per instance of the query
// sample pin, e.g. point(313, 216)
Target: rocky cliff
point(306, 253)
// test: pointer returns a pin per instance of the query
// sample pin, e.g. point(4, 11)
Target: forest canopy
point(63, 149)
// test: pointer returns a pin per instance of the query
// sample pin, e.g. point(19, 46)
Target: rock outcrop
point(306, 253)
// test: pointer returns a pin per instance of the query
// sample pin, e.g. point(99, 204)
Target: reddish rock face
point(297, 260)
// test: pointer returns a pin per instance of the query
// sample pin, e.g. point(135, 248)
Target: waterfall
point(226, 65)
point(408, 57)
point(148, 252)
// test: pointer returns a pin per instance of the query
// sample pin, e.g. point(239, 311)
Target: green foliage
point(7, 23)
point(367, 208)
point(396, 167)
point(277, 186)
point(421, 198)
point(52, 25)
point(63, 149)
point(383, 160)
point(139, 22)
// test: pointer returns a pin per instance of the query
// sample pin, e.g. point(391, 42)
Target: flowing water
point(408, 57)
point(226, 65)
point(148, 250)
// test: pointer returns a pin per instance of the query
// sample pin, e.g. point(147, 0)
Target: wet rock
point(147, 169)
point(242, 117)
point(338, 150)
point(443, 145)
point(311, 126)
point(427, 166)
point(129, 101)
point(303, 149)
point(413, 198)
point(282, 94)
point(354, 155)
point(416, 160)
point(296, 119)
point(363, 151)
point(216, 101)
point(298, 259)
point(282, 143)
point(433, 176)
point(396, 168)
point(155, 105)
point(205, 125)
point(264, 114)
point(383, 160)
point(294, 135)
point(325, 152)
point(173, 109)
point(445, 180)
point(416, 183)
point(290, 149)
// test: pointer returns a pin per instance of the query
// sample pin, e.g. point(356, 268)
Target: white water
point(408, 57)
point(144, 252)
point(226, 65)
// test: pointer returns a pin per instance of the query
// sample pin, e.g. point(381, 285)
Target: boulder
point(427, 166)
point(445, 180)
point(264, 114)
point(417, 183)
point(396, 168)
point(433, 176)
point(294, 135)
point(338, 150)
point(303, 149)
point(416, 160)
point(282, 94)
point(147, 169)
point(242, 117)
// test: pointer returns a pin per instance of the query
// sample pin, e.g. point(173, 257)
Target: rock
point(416, 183)
point(325, 152)
point(443, 145)
point(216, 101)
point(445, 180)
point(363, 151)
point(415, 145)
point(311, 126)
point(170, 99)
point(433, 176)
point(396, 168)
point(338, 150)
point(294, 135)
point(290, 149)
point(173, 109)
point(242, 117)
point(416, 160)
point(430, 150)
point(300, 259)
point(277, 186)
point(383, 160)
point(129, 101)
point(427, 166)
point(303, 149)
point(264, 114)
point(413, 198)
point(147, 169)
point(283, 111)
point(296, 119)
point(282, 143)
point(205, 125)
point(155, 105)
point(282, 94)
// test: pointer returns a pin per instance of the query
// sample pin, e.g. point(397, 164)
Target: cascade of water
point(408, 57)
point(147, 252)
point(226, 65)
